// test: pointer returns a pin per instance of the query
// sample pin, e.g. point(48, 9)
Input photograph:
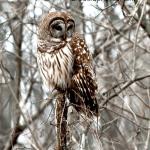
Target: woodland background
point(118, 35)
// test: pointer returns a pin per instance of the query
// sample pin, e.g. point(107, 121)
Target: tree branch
point(126, 85)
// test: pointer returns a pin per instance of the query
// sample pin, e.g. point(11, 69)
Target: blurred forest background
point(118, 34)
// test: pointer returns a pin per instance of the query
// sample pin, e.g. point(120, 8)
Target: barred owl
point(65, 62)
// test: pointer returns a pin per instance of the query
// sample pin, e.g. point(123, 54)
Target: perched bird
point(65, 62)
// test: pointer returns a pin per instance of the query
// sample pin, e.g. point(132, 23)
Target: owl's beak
point(64, 37)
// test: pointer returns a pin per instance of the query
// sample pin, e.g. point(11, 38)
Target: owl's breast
point(56, 68)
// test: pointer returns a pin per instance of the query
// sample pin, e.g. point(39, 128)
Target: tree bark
point(61, 122)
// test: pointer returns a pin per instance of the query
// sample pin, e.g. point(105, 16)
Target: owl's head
point(56, 27)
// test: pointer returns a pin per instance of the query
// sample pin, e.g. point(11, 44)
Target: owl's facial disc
point(57, 29)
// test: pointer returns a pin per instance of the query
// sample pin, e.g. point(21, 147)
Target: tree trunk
point(61, 122)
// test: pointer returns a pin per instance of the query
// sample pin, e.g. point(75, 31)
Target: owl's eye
point(70, 27)
point(57, 27)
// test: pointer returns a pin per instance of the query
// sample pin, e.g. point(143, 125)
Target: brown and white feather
point(56, 65)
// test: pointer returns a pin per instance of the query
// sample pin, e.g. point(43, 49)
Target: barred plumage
point(65, 62)
point(56, 67)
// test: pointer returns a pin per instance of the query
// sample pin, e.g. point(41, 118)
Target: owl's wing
point(82, 93)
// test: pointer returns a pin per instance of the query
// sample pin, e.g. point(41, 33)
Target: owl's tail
point(86, 105)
